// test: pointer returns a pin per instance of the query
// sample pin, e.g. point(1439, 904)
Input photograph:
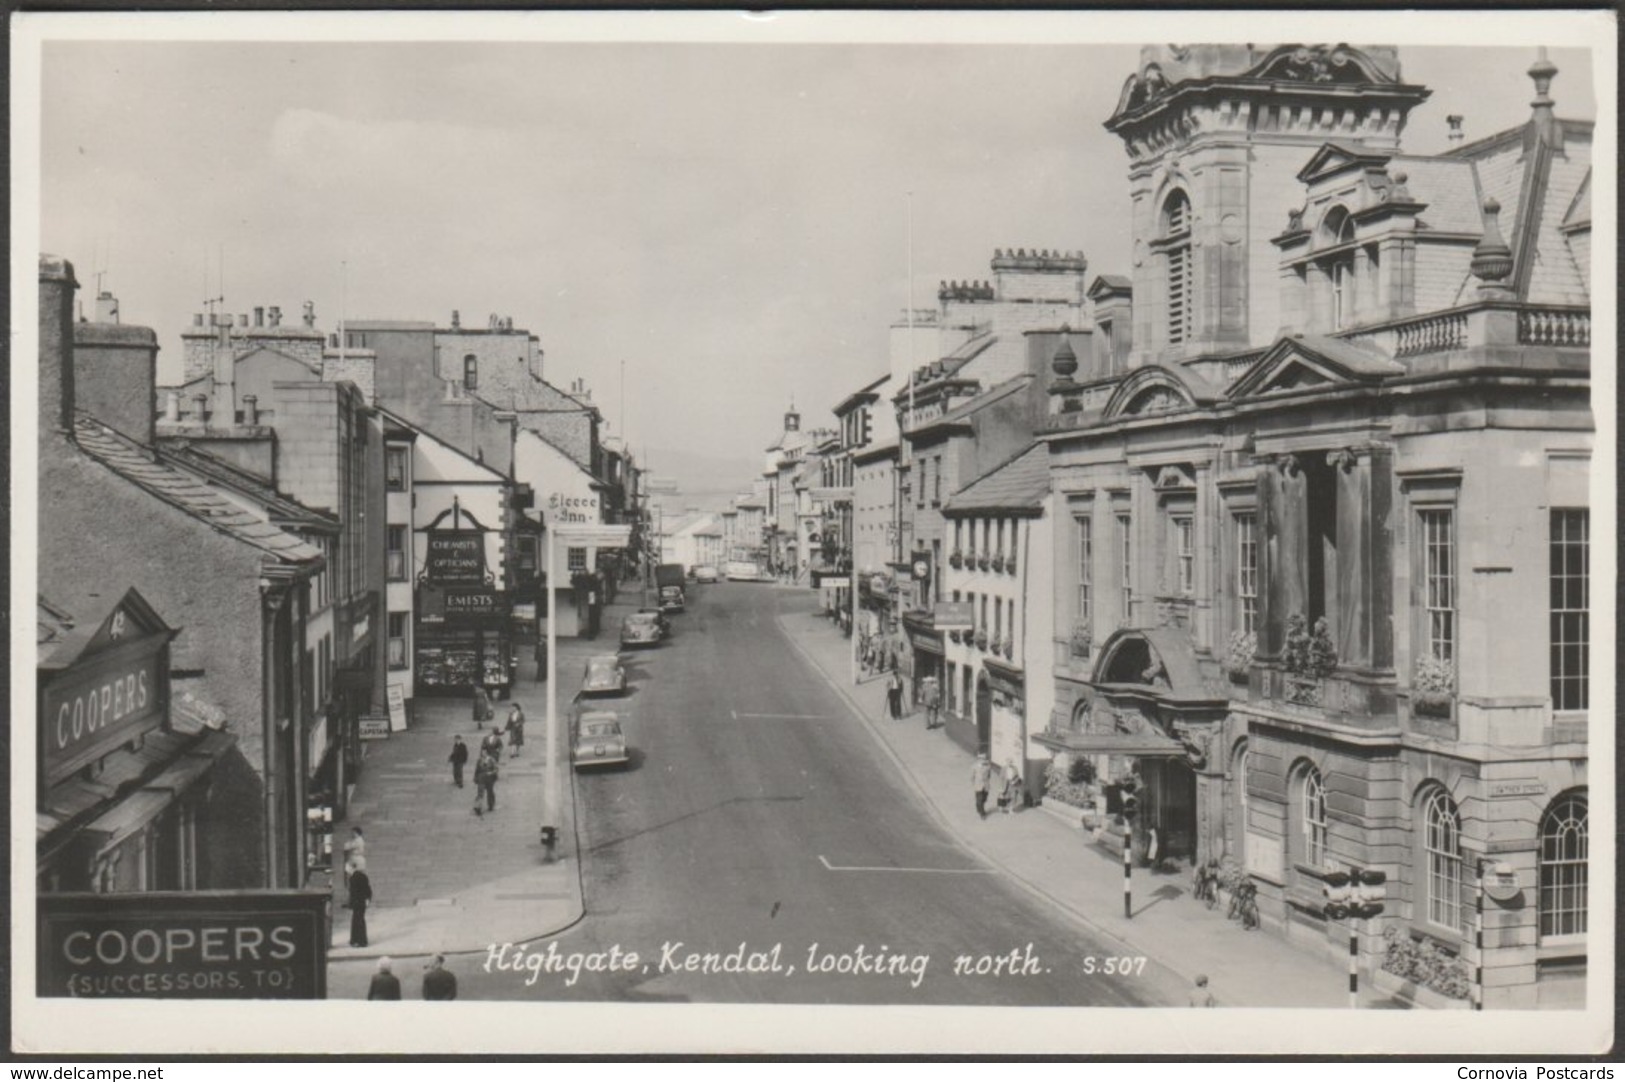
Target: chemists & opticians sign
point(191, 945)
point(455, 556)
point(112, 690)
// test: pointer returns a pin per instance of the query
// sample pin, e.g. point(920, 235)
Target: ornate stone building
point(1294, 534)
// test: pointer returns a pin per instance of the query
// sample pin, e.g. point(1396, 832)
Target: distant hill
point(702, 481)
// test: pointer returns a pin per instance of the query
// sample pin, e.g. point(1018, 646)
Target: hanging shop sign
point(455, 556)
point(113, 690)
point(183, 945)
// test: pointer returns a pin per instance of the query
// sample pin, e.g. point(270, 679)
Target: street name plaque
point(183, 945)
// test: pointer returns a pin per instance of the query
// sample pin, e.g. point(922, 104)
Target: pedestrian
point(981, 775)
point(458, 757)
point(1010, 798)
point(360, 898)
point(932, 695)
point(516, 728)
point(355, 853)
point(482, 705)
point(439, 982)
point(541, 658)
point(385, 985)
point(492, 744)
point(485, 783)
point(894, 695)
point(1200, 996)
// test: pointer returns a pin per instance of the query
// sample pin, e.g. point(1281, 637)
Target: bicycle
point(1207, 883)
point(1244, 904)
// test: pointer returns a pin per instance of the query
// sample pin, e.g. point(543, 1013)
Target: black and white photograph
point(812, 532)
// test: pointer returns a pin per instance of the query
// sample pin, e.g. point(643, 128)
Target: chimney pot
point(202, 403)
point(242, 319)
point(172, 405)
point(456, 320)
point(251, 410)
point(275, 315)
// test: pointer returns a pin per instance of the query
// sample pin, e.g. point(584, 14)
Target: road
point(761, 849)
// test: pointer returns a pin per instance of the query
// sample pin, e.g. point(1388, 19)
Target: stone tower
point(1216, 135)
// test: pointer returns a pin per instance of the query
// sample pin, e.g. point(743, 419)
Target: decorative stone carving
point(1492, 258)
point(1344, 459)
point(1289, 465)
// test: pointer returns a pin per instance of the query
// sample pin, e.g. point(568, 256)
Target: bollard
point(1128, 874)
point(1354, 963)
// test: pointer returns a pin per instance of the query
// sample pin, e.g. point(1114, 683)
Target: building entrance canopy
point(1135, 744)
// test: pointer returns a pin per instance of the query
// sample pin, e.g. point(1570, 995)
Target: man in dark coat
point(439, 982)
point(385, 985)
point(360, 898)
point(485, 783)
point(458, 756)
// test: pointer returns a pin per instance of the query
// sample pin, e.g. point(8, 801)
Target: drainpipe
point(268, 612)
point(1026, 618)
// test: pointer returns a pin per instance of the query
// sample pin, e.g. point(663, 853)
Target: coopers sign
point(192, 945)
point(101, 702)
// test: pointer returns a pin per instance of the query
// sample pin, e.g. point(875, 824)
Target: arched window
point(471, 372)
point(1441, 846)
point(1313, 795)
point(1338, 230)
point(1176, 239)
point(1564, 840)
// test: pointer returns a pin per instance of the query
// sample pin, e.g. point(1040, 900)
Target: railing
point(1553, 327)
point(1431, 335)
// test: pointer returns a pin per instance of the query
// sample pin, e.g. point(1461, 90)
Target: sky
point(729, 221)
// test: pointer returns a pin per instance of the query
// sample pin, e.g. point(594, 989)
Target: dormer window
point(1176, 245)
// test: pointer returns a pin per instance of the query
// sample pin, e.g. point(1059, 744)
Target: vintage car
point(642, 629)
point(599, 740)
point(705, 573)
point(743, 571)
point(603, 675)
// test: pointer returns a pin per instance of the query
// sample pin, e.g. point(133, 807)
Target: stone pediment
point(1308, 362)
point(1154, 390)
point(1335, 158)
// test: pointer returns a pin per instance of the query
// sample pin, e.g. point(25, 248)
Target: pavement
point(446, 880)
point(1059, 862)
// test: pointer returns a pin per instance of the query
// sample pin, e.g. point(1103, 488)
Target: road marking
point(937, 871)
point(783, 717)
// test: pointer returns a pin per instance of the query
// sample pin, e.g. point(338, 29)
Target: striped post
point(1128, 872)
point(1478, 938)
point(1354, 962)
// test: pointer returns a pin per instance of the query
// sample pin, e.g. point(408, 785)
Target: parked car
point(705, 573)
point(603, 675)
point(642, 629)
point(743, 571)
point(599, 740)
point(659, 617)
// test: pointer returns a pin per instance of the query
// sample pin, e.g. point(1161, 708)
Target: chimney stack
point(310, 313)
point(259, 317)
point(1455, 121)
point(251, 409)
point(106, 307)
point(456, 320)
point(172, 406)
point(275, 315)
point(56, 289)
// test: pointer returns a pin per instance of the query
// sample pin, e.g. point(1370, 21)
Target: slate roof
point(1447, 186)
point(186, 491)
point(282, 509)
point(987, 398)
point(52, 624)
point(1019, 485)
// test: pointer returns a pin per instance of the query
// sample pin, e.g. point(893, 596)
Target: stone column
point(1283, 552)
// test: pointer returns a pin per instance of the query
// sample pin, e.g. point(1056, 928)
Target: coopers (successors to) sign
point(184, 945)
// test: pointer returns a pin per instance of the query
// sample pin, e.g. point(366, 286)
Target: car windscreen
point(601, 729)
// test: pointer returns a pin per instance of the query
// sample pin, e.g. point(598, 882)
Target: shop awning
point(1137, 744)
point(145, 804)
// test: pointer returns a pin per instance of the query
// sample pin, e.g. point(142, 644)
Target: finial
point(1542, 71)
point(1492, 259)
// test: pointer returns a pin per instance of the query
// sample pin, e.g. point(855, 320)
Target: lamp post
point(550, 782)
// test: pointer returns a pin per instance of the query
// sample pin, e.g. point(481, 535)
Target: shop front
point(464, 638)
point(925, 648)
